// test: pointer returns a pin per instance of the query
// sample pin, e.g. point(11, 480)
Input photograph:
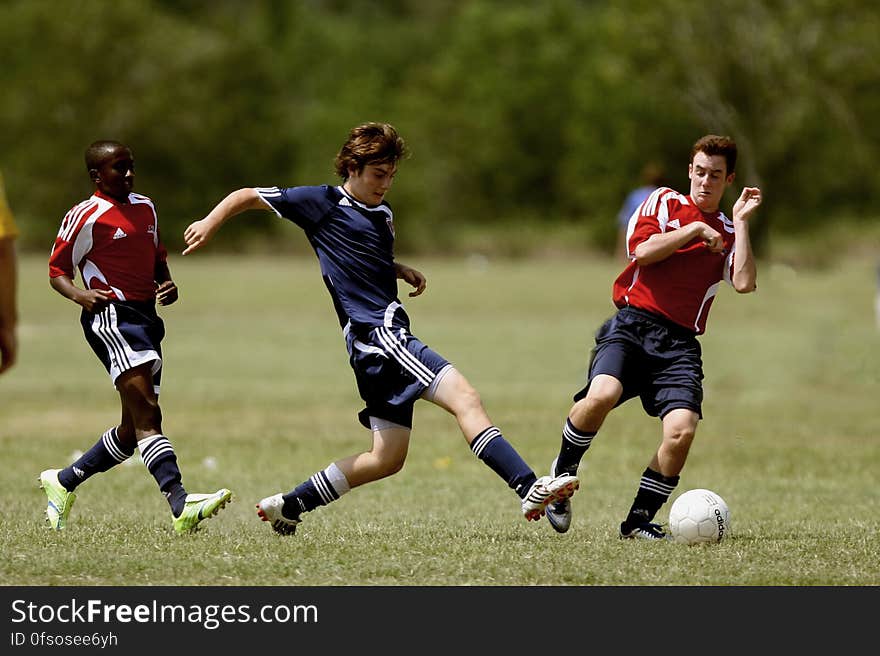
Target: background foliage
point(524, 118)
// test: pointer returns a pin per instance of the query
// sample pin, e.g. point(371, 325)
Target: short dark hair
point(98, 151)
point(369, 143)
point(712, 144)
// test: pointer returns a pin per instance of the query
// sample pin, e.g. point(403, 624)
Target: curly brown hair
point(369, 143)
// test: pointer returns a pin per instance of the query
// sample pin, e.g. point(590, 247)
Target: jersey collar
point(110, 199)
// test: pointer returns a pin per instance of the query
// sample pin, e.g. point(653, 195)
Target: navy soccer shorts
point(125, 335)
point(393, 369)
point(653, 358)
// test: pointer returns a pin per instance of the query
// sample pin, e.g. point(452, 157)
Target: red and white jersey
point(682, 286)
point(115, 246)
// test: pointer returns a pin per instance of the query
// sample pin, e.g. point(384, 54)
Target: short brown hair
point(369, 143)
point(712, 144)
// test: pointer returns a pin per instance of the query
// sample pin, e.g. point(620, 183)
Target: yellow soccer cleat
point(199, 507)
point(60, 500)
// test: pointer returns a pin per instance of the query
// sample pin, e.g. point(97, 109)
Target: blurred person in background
point(8, 284)
point(652, 177)
point(680, 247)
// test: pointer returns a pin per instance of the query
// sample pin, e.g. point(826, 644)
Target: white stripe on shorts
point(106, 327)
point(406, 359)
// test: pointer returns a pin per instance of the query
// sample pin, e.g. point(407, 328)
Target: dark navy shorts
point(393, 369)
point(653, 358)
point(125, 335)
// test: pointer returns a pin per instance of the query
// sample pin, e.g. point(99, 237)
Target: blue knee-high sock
point(574, 445)
point(161, 461)
point(104, 454)
point(491, 447)
point(319, 490)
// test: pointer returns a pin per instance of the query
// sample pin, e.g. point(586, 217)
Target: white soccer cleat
point(269, 510)
point(547, 490)
point(559, 513)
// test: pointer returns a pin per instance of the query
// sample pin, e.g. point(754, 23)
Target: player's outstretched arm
point(198, 233)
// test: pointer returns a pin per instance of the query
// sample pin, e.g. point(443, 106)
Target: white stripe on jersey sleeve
point(73, 217)
point(265, 193)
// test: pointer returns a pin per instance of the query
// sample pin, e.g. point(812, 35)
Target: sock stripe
point(664, 489)
point(482, 440)
point(155, 448)
point(324, 488)
point(113, 446)
point(573, 435)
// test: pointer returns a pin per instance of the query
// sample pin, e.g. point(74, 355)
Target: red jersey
point(682, 286)
point(115, 246)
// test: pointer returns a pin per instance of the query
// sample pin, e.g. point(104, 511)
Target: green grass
point(256, 379)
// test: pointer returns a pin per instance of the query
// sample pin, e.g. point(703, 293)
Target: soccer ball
point(699, 516)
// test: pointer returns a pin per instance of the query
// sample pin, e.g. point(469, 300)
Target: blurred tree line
point(523, 117)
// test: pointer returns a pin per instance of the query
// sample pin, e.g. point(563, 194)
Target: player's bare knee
point(679, 438)
point(467, 400)
point(395, 466)
point(592, 410)
point(389, 464)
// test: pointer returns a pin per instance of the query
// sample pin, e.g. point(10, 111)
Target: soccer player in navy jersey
point(112, 238)
point(680, 247)
point(351, 228)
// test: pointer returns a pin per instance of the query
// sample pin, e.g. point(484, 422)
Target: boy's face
point(115, 176)
point(709, 179)
point(372, 183)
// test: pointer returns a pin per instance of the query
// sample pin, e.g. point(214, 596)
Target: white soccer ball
point(699, 516)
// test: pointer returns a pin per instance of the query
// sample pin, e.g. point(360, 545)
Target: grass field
point(257, 395)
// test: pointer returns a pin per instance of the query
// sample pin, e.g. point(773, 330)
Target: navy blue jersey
point(355, 247)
